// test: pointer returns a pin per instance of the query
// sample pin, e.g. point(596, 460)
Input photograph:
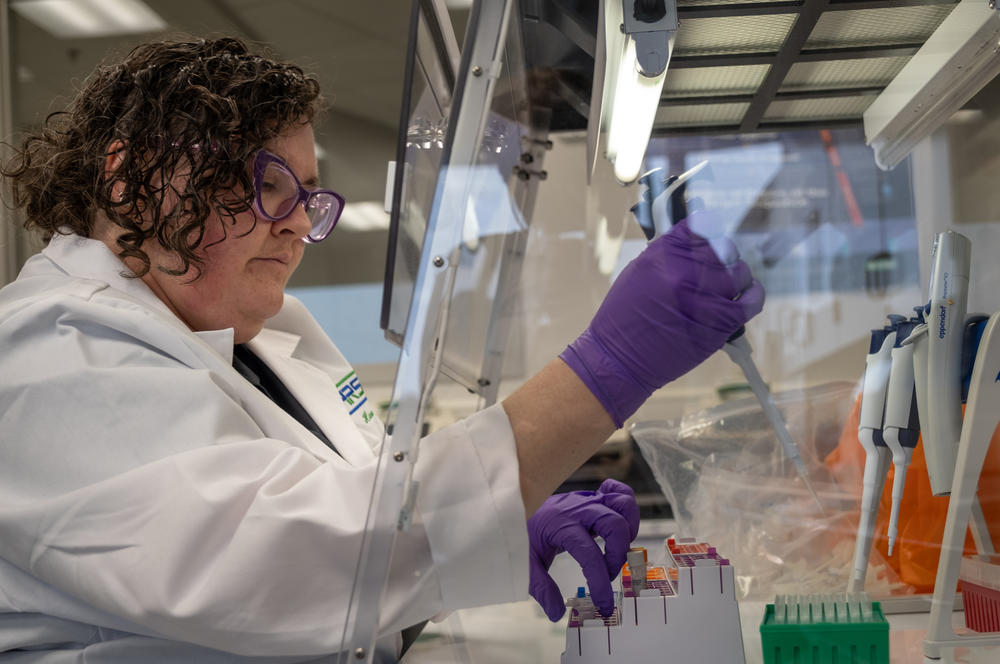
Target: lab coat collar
point(87, 258)
point(313, 387)
point(278, 342)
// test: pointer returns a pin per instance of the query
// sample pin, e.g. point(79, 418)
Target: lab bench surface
point(520, 632)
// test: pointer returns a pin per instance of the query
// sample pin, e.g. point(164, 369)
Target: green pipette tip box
point(864, 642)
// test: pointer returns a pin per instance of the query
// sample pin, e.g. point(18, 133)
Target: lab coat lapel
point(316, 390)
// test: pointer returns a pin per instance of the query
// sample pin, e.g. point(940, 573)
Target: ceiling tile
point(707, 114)
point(727, 3)
point(873, 27)
point(835, 108)
point(736, 34)
point(713, 80)
point(858, 73)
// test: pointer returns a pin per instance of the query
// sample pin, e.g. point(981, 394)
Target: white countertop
point(521, 633)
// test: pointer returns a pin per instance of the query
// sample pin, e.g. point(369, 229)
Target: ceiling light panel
point(858, 73)
point(829, 108)
point(734, 34)
point(702, 115)
point(877, 27)
point(69, 19)
point(707, 81)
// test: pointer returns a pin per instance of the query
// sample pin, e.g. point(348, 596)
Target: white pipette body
point(942, 423)
point(900, 426)
point(877, 455)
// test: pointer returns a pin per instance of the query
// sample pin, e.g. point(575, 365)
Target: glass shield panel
point(839, 245)
point(833, 239)
point(474, 208)
point(494, 224)
point(427, 95)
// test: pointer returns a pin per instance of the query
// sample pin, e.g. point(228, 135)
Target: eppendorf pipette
point(942, 422)
point(877, 456)
point(901, 427)
point(660, 207)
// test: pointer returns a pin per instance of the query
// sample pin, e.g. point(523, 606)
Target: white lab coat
point(154, 505)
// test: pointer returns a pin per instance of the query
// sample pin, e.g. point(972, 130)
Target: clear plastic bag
point(730, 484)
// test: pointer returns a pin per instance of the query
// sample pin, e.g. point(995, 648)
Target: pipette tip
point(800, 466)
point(815, 497)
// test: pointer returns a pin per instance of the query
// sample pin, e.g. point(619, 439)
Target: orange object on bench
point(921, 514)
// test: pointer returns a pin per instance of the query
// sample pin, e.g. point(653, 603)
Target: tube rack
point(686, 608)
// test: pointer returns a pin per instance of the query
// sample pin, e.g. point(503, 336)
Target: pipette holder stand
point(982, 414)
point(694, 618)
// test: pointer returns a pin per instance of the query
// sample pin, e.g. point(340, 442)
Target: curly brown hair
point(201, 107)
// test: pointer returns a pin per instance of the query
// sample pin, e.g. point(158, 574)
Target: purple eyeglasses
point(277, 191)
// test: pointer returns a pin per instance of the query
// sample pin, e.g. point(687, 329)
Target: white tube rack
point(694, 618)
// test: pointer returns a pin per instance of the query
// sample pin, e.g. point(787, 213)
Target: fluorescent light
point(633, 111)
point(90, 18)
point(953, 65)
point(628, 99)
point(614, 41)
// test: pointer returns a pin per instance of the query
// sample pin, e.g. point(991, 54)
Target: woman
point(180, 479)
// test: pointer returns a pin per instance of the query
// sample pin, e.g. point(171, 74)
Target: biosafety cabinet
point(849, 148)
point(846, 146)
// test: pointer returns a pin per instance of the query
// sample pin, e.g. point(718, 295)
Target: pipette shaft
point(876, 467)
point(901, 426)
point(739, 351)
point(877, 455)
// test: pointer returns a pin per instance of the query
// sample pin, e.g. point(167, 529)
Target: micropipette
point(737, 347)
point(900, 427)
point(942, 424)
point(876, 380)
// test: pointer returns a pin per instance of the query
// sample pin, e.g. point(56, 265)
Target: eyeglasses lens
point(322, 209)
point(279, 191)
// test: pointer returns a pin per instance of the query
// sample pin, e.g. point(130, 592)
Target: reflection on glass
point(426, 133)
point(810, 210)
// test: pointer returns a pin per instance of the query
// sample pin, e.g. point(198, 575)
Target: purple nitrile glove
point(673, 306)
point(568, 522)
